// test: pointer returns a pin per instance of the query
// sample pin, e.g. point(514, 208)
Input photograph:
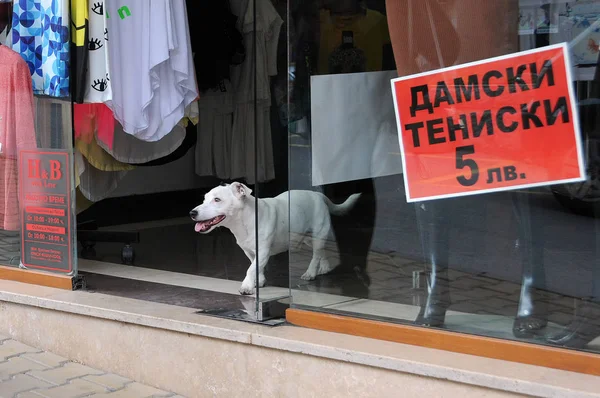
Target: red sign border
point(69, 210)
point(574, 111)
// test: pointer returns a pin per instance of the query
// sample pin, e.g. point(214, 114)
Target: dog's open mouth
point(203, 226)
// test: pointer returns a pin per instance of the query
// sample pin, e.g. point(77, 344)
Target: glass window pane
point(520, 263)
point(37, 204)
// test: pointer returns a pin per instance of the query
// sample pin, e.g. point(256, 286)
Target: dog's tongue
point(198, 227)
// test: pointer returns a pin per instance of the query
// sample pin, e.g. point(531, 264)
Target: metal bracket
point(272, 309)
point(78, 282)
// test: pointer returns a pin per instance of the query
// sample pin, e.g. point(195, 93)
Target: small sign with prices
point(499, 124)
point(45, 200)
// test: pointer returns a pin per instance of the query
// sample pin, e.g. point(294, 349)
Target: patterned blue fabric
point(40, 33)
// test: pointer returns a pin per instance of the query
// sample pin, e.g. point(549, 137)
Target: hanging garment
point(95, 184)
point(152, 81)
point(213, 149)
point(214, 36)
point(53, 117)
point(17, 131)
point(91, 121)
point(99, 158)
point(40, 34)
point(98, 87)
point(267, 30)
point(188, 143)
point(79, 42)
point(131, 150)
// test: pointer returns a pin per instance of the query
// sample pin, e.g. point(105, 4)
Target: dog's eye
point(217, 200)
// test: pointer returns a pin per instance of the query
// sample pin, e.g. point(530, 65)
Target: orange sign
point(494, 125)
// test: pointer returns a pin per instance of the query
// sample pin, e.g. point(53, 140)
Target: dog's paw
point(245, 291)
point(247, 286)
point(325, 266)
point(308, 276)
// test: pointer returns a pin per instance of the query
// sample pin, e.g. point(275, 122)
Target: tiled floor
point(26, 372)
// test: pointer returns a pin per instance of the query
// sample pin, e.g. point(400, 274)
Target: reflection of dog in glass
point(233, 207)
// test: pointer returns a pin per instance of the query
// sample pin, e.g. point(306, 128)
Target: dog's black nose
point(193, 213)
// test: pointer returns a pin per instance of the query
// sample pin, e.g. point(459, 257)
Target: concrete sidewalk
point(26, 372)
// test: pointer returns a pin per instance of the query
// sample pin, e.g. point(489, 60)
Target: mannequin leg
point(434, 239)
point(429, 34)
point(354, 233)
point(585, 325)
point(532, 312)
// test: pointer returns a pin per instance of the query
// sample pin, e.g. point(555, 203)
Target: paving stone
point(135, 390)
point(21, 383)
point(479, 293)
point(505, 287)
point(560, 318)
point(11, 348)
point(75, 388)
point(568, 303)
point(18, 365)
point(497, 303)
point(28, 395)
point(110, 381)
point(46, 358)
point(467, 283)
point(457, 298)
point(66, 372)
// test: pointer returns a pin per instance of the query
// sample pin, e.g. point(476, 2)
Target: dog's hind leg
point(318, 264)
point(324, 265)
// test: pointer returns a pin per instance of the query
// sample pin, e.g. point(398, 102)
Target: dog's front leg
point(249, 282)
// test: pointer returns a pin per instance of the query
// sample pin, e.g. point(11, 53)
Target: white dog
point(232, 206)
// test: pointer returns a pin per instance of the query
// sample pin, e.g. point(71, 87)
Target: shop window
point(519, 264)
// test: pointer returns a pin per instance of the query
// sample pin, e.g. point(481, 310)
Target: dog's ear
point(240, 190)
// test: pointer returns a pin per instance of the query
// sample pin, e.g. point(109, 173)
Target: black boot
point(434, 238)
point(532, 313)
point(584, 328)
point(438, 299)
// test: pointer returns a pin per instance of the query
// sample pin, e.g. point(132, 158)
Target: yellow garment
point(192, 113)
point(81, 202)
point(99, 158)
point(79, 22)
point(370, 32)
point(79, 55)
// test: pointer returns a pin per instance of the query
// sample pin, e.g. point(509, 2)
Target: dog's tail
point(344, 208)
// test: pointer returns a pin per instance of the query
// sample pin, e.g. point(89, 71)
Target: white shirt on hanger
point(152, 72)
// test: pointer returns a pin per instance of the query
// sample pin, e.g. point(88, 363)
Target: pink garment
point(17, 131)
point(94, 119)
